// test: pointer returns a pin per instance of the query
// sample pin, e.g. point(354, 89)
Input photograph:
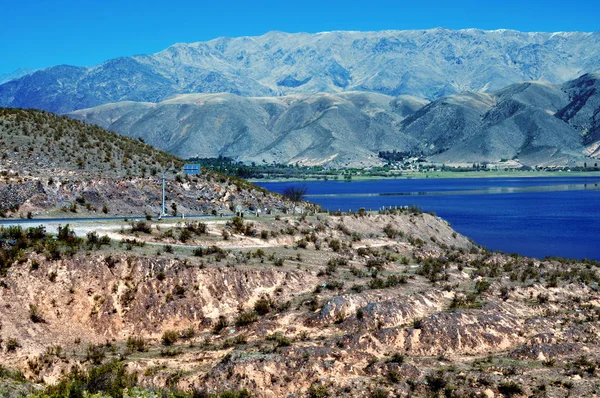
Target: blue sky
point(42, 33)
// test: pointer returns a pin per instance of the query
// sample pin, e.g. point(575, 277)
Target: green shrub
point(235, 394)
point(335, 245)
point(95, 354)
point(187, 333)
point(318, 391)
point(237, 340)
point(108, 379)
point(16, 375)
point(197, 228)
point(169, 338)
point(436, 381)
point(237, 225)
point(141, 226)
point(465, 302)
point(482, 286)
point(12, 344)
point(220, 325)
point(391, 232)
point(360, 314)
point(170, 352)
point(179, 290)
point(279, 339)
point(393, 376)
point(263, 306)
point(35, 315)
point(136, 344)
point(245, 318)
point(185, 235)
point(390, 281)
point(396, 358)
point(510, 388)
point(380, 393)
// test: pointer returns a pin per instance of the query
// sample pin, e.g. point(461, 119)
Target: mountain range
point(339, 98)
point(423, 63)
point(533, 123)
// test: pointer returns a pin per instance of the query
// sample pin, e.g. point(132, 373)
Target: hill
point(533, 123)
point(583, 110)
point(352, 305)
point(51, 162)
point(344, 129)
point(41, 143)
point(517, 122)
point(423, 63)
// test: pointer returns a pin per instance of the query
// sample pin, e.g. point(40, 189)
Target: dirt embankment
point(353, 305)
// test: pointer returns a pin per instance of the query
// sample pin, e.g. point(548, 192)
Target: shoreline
point(441, 175)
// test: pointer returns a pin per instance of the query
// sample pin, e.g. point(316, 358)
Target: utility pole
point(163, 212)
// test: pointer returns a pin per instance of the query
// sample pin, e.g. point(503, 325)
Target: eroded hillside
point(54, 165)
point(365, 305)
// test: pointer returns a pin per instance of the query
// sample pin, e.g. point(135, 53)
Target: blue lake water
point(548, 216)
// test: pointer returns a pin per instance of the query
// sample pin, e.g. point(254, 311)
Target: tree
point(295, 193)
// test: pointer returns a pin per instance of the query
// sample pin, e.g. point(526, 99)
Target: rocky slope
point(583, 110)
point(423, 63)
point(344, 129)
point(373, 305)
point(536, 124)
point(51, 162)
point(518, 122)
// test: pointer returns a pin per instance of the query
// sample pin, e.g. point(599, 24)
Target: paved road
point(14, 221)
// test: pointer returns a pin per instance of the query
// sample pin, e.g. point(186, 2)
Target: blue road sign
point(191, 169)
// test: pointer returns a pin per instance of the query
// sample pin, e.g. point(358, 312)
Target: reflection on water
point(480, 191)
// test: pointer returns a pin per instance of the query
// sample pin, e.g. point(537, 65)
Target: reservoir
point(545, 216)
